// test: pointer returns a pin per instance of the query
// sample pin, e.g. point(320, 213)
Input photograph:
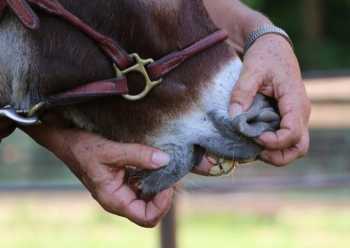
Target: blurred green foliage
point(329, 49)
point(22, 160)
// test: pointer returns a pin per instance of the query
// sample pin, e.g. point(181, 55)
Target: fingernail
point(235, 110)
point(160, 158)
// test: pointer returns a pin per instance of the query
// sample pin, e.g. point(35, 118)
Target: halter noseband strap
point(152, 71)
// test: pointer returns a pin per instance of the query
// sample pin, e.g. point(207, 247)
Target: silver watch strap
point(264, 30)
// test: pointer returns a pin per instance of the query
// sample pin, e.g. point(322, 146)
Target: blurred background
point(305, 205)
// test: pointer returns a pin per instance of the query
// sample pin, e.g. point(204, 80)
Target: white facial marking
point(187, 128)
point(217, 96)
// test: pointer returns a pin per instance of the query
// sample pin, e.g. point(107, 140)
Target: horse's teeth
point(216, 171)
point(228, 166)
point(223, 168)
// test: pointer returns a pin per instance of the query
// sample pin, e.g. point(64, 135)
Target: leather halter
point(152, 71)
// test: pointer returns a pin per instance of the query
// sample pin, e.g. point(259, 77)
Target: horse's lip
point(247, 161)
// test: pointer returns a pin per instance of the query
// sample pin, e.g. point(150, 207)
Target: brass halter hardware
point(139, 67)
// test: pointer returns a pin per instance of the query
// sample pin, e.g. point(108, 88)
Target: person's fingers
point(89, 146)
point(146, 214)
point(288, 135)
point(244, 91)
point(291, 109)
point(154, 210)
point(140, 156)
point(119, 154)
point(284, 157)
point(96, 147)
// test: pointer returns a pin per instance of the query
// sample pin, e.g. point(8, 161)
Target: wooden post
point(313, 19)
point(168, 229)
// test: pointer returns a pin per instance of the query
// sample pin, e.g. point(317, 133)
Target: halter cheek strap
point(170, 62)
point(152, 71)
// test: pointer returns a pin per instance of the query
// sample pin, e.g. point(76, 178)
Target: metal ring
point(139, 67)
point(11, 113)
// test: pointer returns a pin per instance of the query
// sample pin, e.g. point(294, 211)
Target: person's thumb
point(244, 92)
point(140, 156)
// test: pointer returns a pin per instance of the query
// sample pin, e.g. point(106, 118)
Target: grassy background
point(274, 220)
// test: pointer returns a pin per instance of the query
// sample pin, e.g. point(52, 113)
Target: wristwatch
point(264, 30)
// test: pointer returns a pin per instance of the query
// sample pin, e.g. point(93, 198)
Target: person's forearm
point(236, 18)
point(58, 141)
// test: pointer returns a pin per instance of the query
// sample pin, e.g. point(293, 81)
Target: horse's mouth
point(220, 166)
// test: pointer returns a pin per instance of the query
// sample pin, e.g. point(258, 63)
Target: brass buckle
point(139, 67)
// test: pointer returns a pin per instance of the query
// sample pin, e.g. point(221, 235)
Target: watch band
point(264, 30)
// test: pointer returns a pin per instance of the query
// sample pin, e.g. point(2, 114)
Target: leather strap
point(112, 87)
point(24, 13)
point(119, 86)
point(88, 92)
point(168, 63)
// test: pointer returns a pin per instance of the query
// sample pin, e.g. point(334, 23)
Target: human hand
point(100, 165)
point(271, 68)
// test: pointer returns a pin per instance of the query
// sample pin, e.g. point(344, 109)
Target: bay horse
point(185, 115)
